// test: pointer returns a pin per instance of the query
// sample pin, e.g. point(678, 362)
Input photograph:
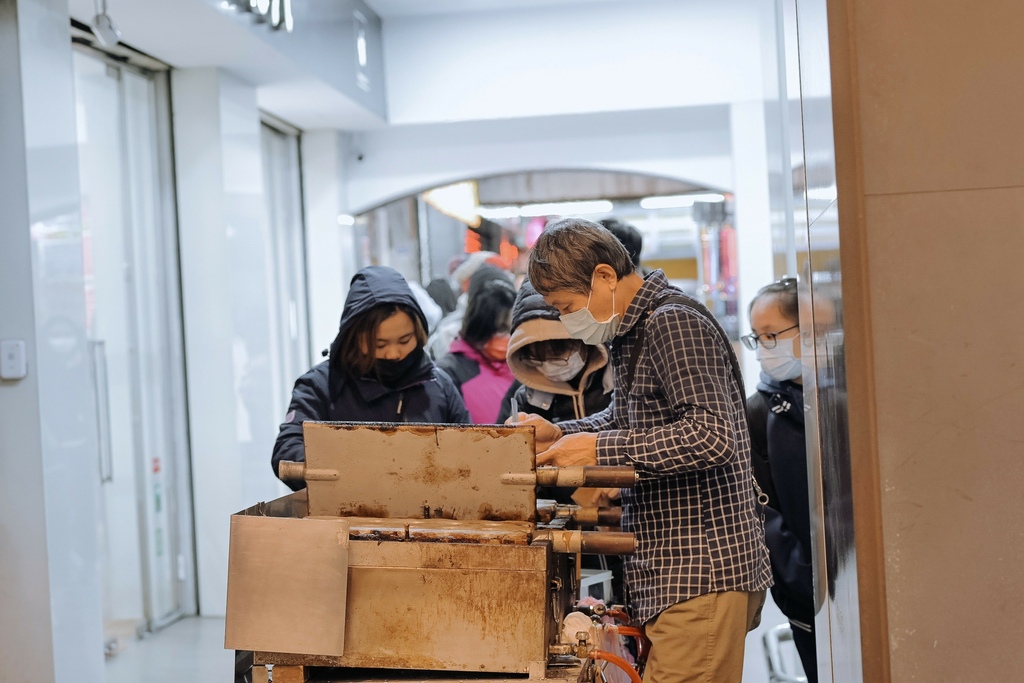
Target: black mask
point(393, 372)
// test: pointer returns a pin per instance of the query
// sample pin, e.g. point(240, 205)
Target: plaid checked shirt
point(683, 427)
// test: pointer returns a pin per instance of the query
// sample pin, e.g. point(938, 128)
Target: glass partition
point(133, 323)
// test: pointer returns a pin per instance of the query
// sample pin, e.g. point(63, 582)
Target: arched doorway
point(687, 228)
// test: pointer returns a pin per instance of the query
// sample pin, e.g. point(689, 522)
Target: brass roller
point(588, 542)
point(591, 476)
point(588, 515)
point(297, 471)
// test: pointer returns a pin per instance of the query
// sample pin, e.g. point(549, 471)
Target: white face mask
point(584, 326)
point(781, 362)
point(557, 371)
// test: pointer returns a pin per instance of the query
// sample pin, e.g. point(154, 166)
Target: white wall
point(690, 144)
point(50, 589)
point(224, 236)
point(570, 60)
point(753, 217)
point(330, 255)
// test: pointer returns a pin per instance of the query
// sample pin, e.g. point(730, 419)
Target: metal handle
point(548, 511)
point(594, 476)
point(587, 542)
point(297, 471)
point(98, 351)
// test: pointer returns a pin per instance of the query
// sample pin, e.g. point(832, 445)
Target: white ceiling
point(192, 33)
point(387, 9)
point(189, 33)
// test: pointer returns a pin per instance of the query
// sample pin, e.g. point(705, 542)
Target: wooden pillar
point(929, 140)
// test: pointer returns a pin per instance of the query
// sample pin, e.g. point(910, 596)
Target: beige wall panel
point(941, 94)
point(946, 285)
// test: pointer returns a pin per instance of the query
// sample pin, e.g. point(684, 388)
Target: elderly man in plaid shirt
point(698, 578)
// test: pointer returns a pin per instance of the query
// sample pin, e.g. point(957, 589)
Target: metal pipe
point(589, 516)
point(599, 516)
point(619, 662)
point(291, 471)
point(575, 477)
point(297, 471)
point(588, 542)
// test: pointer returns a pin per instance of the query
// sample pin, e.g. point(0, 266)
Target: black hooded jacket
point(533, 320)
point(328, 392)
point(779, 452)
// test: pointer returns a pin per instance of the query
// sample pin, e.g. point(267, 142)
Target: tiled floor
point(191, 651)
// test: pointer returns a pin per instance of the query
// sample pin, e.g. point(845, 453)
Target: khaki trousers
point(700, 640)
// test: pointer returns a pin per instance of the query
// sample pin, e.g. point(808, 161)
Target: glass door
point(289, 320)
point(134, 332)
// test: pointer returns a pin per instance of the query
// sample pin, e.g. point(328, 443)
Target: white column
point(753, 214)
point(51, 620)
point(225, 279)
point(330, 244)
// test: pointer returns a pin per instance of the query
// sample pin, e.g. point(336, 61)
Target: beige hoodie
point(540, 329)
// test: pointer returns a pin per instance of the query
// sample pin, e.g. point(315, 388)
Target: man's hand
point(546, 432)
point(596, 497)
point(574, 449)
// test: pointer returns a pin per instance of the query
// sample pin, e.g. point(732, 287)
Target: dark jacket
point(533, 320)
point(329, 392)
point(779, 452)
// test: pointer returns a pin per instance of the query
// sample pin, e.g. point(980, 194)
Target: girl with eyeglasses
point(775, 414)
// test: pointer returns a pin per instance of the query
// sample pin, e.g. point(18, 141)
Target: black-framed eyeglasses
point(558, 362)
point(768, 340)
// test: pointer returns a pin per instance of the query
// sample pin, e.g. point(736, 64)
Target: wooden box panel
point(287, 585)
point(420, 471)
point(447, 607)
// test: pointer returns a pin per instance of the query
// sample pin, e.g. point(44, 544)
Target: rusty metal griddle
point(414, 547)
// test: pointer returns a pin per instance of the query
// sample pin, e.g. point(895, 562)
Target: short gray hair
point(568, 251)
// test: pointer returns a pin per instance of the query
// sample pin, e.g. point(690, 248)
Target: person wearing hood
point(775, 415)
point(476, 359)
point(558, 377)
point(377, 370)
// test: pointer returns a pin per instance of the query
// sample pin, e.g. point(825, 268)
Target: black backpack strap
point(703, 313)
point(723, 339)
point(757, 424)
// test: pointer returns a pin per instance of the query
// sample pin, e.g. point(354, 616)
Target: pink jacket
point(483, 382)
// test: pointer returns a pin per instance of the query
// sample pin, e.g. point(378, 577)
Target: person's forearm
point(686, 445)
point(598, 422)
